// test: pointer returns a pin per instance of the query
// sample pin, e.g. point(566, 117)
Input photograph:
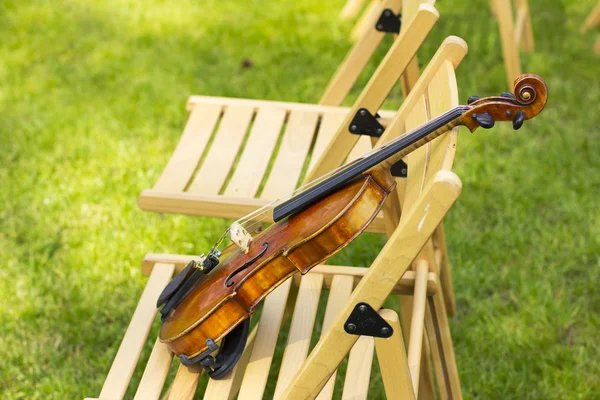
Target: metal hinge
point(399, 169)
point(365, 123)
point(388, 22)
point(365, 321)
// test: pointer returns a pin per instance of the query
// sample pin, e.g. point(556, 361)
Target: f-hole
point(229, 282)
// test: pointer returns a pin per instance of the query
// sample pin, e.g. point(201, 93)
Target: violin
point(211, 300)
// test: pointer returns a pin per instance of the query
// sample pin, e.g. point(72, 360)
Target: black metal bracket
point(365, 123)
point(388, 22)
point(365, 321)
point(399, 169)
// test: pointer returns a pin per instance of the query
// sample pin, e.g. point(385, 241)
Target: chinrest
point(176, 284)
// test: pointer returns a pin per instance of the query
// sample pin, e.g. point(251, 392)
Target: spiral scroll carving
point(531, 88)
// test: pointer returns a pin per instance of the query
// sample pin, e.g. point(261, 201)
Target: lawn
point(92, 99)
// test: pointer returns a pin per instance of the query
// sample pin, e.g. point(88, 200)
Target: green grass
point(92, 101)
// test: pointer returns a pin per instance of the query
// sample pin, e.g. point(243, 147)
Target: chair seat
point(249, 378)
point(236, 155)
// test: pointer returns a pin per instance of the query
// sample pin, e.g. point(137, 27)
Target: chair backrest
point(378, 88)
point(239, 149)
point(434, 93)
point(363, 49)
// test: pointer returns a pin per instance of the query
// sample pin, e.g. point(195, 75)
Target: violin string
point(252, 221)
point(258, 215)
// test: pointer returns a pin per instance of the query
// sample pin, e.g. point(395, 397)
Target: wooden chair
point(426, 195)
point(592, 21)
point(261, 150)
point(515, 33)
point(369, 22)
point(515, 30)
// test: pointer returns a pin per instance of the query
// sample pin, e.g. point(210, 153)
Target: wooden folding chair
point(261, 149)
point(592, 21)
point(236, 155)
point(426, 194)
point(515, 33)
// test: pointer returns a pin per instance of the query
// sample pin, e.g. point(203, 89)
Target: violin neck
point(412, 141)
point(388, 154)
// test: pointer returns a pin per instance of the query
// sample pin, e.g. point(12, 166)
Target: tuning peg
point(508, 94)
point(484, 120)
point(472, 99)
point(518, 121)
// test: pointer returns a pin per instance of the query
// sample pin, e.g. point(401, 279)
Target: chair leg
point(592, 20)
point(510, 51)
point(393, 362)
point(426, 384)
point(443, 264)
point(526, 36)
point(417, 324)
point(367, 19)
point(406, 305)
point(442, 348)
point(410, 76)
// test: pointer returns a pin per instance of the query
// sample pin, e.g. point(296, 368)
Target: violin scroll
point(528, 99)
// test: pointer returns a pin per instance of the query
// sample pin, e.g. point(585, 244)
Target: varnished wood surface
point(231, 293)
point(531, 96)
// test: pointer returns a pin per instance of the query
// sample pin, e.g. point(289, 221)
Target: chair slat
point(443, 95)
point(329, 126)
point(292, 154)
point(185, 383)
point(512, 59)
point(358, 57)
point(257, 152)
point(227, 387)
point(356, 384)
point(186, 156)
point(257, 371)
point(301, 329)
point(129, 352)
point(155, 373)
point(418, 159)
point(453, 49)
point(341, 288)
point(225, 147)
point(391, 355)
point(194, 101)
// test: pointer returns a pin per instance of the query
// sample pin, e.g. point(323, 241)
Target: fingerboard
point(398, 147)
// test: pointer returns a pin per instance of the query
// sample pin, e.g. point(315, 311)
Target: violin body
point(231, 293)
